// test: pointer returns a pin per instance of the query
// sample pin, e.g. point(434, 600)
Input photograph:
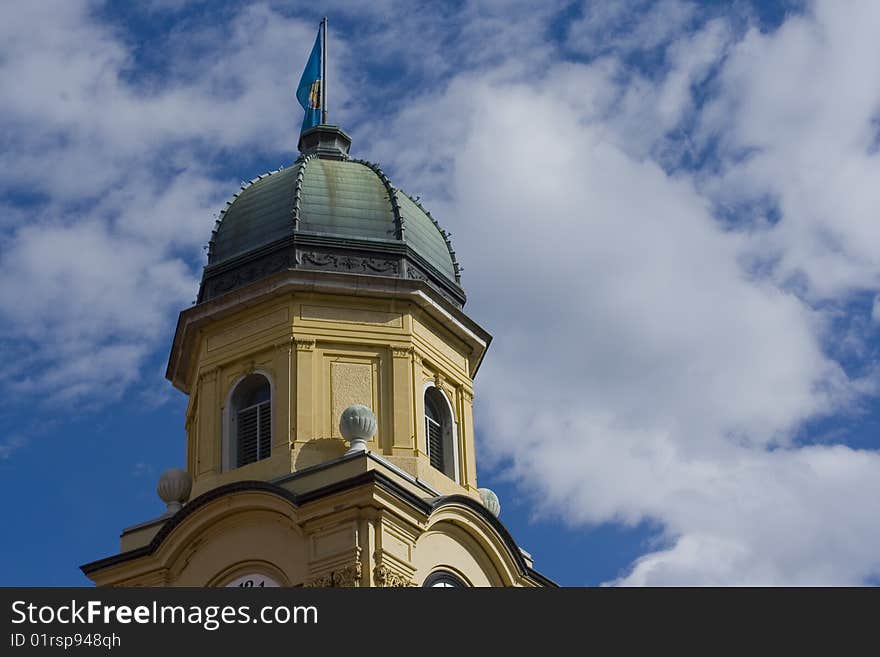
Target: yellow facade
point(308, 515)
point(322, 352)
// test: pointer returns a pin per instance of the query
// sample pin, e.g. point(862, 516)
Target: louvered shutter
point(248, 435)
point(435, 443)
point(254, 433)
point(265, 430)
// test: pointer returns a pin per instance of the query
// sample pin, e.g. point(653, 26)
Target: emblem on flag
point(310, 90)
point(315, 95)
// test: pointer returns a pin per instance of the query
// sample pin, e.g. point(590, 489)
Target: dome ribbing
point(328, 212)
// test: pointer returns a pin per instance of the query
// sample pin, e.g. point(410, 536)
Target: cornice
point(370, 477)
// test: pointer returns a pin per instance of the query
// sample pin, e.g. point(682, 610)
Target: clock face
point(253, 580)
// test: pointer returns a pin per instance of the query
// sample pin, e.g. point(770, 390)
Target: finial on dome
point(357, 424)
point(327, 141)
point(174, 488)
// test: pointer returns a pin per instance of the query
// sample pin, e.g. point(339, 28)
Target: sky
point(666, 212)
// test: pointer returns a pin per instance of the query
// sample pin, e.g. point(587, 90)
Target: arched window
point(250, 421)
point(443, 579)
point(440, 432)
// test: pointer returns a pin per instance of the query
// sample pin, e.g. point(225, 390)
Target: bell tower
point(329, 366)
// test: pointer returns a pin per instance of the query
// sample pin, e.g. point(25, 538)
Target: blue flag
point(308, 92)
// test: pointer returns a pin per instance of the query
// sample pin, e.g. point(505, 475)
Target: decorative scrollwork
point(351, 263)
point(320, 259)
point(382, 266)
point(346, 577)
point(385, 577)
point(321, 582)
point(415, 273)
point(242, 275)
point(350, 576)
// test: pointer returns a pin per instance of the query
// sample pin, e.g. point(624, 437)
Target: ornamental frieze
point(382, 265)
point(242, 275)
point(350, 263)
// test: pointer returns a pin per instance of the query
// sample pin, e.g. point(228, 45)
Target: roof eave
point(191, 320)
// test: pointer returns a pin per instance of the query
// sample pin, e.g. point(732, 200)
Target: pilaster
point(403, 395)
point(306, 377)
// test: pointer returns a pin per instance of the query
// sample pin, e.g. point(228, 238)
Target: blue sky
point(666, 212)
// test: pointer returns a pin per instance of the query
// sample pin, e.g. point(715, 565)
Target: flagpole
point(324, 72)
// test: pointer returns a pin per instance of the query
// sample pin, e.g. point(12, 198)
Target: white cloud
point(802, 103)
point(79, 123)
point(118, 172)
point(628, 26)
point(787, 517)
point(85, 306)
point(639, 369)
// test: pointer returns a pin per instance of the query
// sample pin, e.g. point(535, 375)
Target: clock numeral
point(253, 580)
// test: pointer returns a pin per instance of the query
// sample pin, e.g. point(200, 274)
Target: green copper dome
point(328, 212)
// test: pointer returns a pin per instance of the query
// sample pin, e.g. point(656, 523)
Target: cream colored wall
point(322, 353)
point(244, 532)
point(447, 548)
point(255, 541)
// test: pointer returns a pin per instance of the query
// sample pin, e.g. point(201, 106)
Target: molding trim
point(305, 344)
point(288, 281)
point(300, 249)
point(373, 477)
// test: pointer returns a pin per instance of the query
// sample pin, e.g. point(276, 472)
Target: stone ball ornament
point(357, 424)
point(174, 488)
point(490, 501)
